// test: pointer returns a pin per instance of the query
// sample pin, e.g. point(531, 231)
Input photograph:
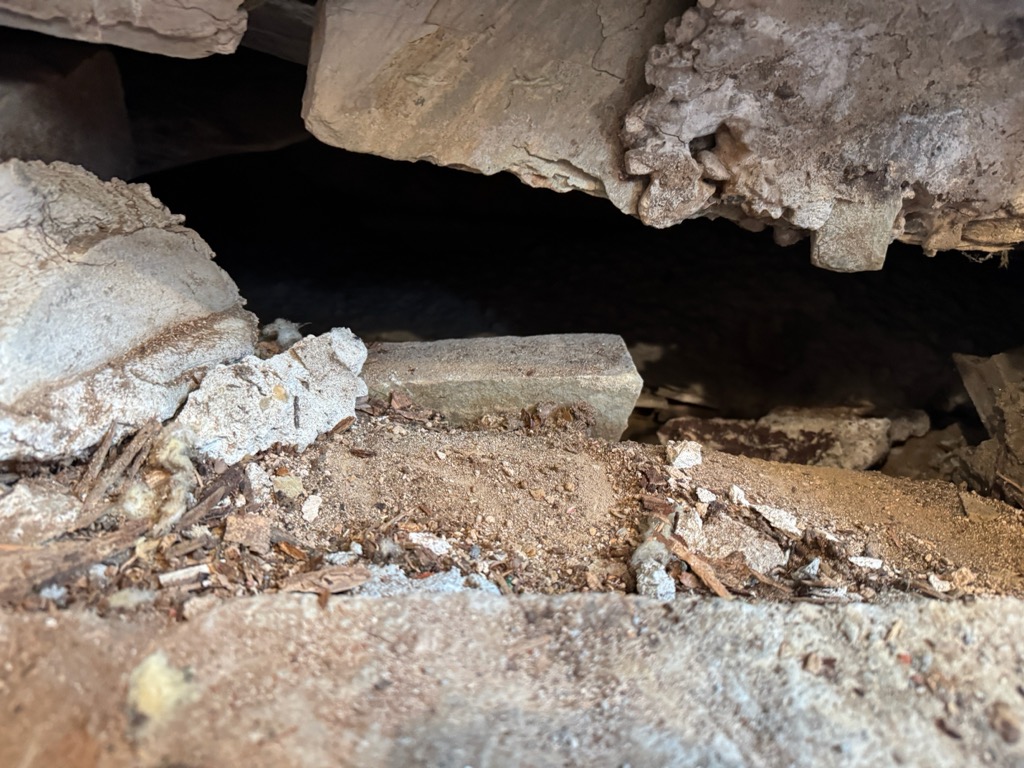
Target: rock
point(690, 527)
point(850, 126)
point(537, 89)
point(183, 30)
point(650, 557)
point(827, 437)
point(780, 520)
point(477, 679)
point(311, 507)
point(466, 379)
point(867, 563)
point(704, 496)
point(390, 581)
point(684, 455)
point(111, 307)
point(291, 398)
point(723, 536)
point(996, 387)
point(260, 482)
point(252, 531)
point(809, 571)
point(61, 100)
point(36, 510)
point(282, 28)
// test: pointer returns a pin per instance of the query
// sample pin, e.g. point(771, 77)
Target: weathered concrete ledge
point(466, 379)
point(480, 680)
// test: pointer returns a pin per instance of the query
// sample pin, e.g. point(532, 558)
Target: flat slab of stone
point(534, 88)
point(185, 30)
point(465, 379)
point(475, 679)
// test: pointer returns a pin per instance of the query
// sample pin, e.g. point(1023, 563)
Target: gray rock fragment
point(536, 89)
point(36, 510)
point(723, 536)
point(291, 398)
point(850, 124)
point(391, 581)
point(996, 387)
point(684, 455)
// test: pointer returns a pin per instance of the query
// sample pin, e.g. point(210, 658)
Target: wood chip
point(184, 575)
point(24, 569)
point(340, 578)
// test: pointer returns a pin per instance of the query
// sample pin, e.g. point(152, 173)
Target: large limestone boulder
point(112, 308)
point(186, 30)
point(858, 125)
point(535, 88)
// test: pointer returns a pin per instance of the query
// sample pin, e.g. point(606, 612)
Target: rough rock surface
point(110, 307)
point(291, 399)
point(186, 30)
point(883, 121)
point(61, 100)
point(466, 379)
point(535, 88)
point(826, 437)
point(996, 387)
point(475, 679)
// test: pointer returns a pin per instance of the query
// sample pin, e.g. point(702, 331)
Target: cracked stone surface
point(886, 121)
point(185, 30)
point(535, 88)
point(290, 398)
point(111, 306)
point(475, 679)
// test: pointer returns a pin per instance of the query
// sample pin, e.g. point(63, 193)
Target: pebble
point(311, 507)
point(684, 455)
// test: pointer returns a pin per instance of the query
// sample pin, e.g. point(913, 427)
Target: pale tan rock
point(466, 379)
point(185, 30)
point(531, 87)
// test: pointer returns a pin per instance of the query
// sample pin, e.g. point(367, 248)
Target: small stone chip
point(252, 531)
point(311, 508)
point(1004, 722)
point(684, 455)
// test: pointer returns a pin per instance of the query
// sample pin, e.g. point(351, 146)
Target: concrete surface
point(480, 680)
point(860, 125)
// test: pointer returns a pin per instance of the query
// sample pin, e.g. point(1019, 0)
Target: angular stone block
point(185, 30)
point(532, 87)
point(466, 379)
